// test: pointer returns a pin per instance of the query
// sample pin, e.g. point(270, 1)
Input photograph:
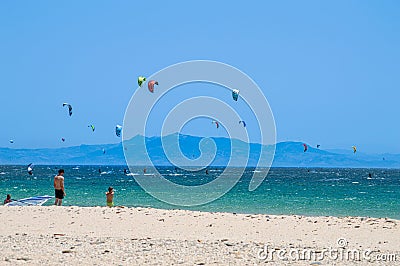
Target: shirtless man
point(59, 187)
point(110, 197)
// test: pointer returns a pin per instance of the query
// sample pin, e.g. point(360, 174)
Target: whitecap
point(131, 174)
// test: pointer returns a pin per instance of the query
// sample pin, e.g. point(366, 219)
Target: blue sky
point(329, 69)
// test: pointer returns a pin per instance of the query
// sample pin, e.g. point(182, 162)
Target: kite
point(69, 108)
point(30, 169)
point(242, 122)
point(354, 149)
point(151, 84)
point(305, 147)
point(118, 130)
point(141, 80)
point(216, 123)
point(235, 94)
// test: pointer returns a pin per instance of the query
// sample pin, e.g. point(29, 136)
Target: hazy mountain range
point(287, 154)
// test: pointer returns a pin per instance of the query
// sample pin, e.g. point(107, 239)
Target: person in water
point(59, 187)
point(8, 199)
point(110, 197)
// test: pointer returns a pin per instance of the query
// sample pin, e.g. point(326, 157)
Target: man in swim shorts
point(110, 197)
point(59, 187)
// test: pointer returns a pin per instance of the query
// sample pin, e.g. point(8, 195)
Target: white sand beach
point(145, 236)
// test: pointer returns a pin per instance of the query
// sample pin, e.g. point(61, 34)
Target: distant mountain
point(288, 154)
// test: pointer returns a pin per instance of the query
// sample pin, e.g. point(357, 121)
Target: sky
point(329, 69)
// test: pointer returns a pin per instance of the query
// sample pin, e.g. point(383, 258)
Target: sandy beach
point(139, 236)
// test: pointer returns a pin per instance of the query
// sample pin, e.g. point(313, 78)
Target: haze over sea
point(302, 191)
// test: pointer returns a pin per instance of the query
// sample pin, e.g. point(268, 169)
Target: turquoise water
point(338, 192)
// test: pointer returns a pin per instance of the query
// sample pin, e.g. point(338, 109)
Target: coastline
point(91, 235)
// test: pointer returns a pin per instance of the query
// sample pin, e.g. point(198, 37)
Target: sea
point(300, 191)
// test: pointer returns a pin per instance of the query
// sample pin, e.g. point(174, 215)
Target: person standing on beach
point(59, 187)
point(110, 197)
point(8, 199)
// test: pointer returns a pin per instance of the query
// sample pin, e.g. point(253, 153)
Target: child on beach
point(110, 197)
point(8, 199)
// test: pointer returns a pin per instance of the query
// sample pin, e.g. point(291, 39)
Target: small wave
point(131, 174)
point(334, 179)
point(350, 198)
point(2, 173)
point(321, 172)
point(106, 173)
point(355, 182)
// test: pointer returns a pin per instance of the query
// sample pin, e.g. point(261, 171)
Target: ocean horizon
point(287, 154)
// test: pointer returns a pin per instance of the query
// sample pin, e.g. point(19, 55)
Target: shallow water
point(338, 192)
